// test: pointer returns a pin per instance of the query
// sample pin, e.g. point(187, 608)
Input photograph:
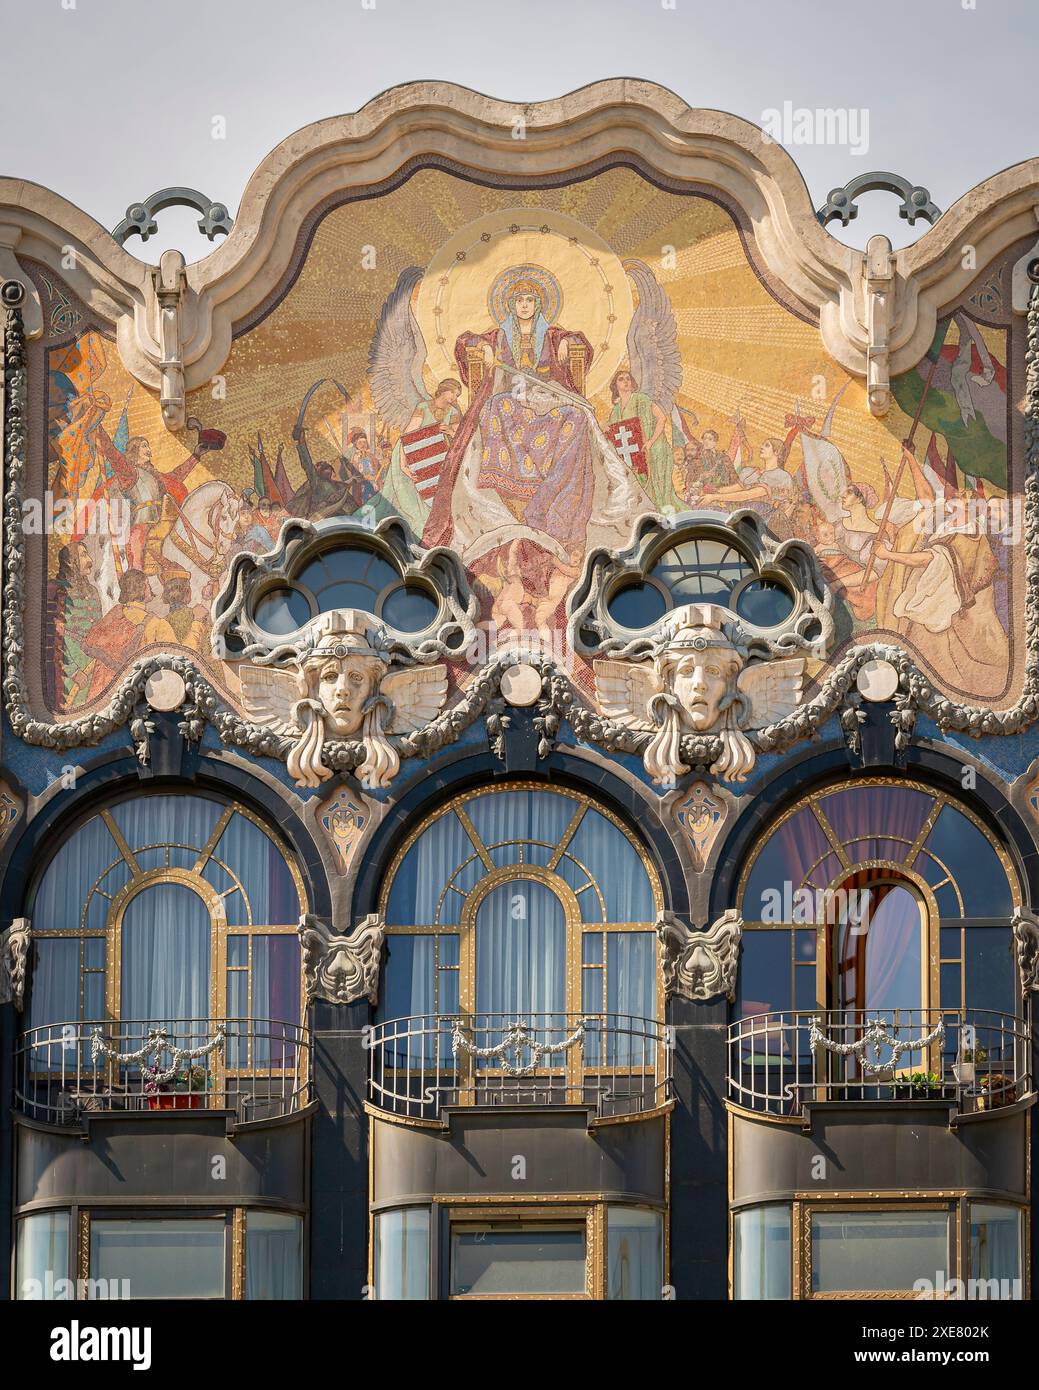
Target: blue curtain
point(521, 815)
point(70, 875)
point(263, 873)
point(521, 951)
point(165, 956)
point(156, 820)
point(427, 866)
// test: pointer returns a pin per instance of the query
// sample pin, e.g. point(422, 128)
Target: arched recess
point(518, 904)
point(521, 897)
point(455, 773)
point(164, 904)
point(877, 900)
point(117, 776)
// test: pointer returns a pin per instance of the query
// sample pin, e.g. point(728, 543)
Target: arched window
point(880, 901)
point(878, 890)
point(353, 576)
point(521, 905)
point(167, 911)
point(700, 569)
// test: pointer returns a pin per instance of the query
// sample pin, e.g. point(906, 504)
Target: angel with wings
point(696, 680)
point(339, 684)
point(428, 420)
point(645, 388)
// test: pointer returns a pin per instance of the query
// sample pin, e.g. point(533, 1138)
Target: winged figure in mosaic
point(697, 678)
point(341, 683)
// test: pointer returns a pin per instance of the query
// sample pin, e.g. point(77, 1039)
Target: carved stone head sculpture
point(698, 678)
point(342, 681)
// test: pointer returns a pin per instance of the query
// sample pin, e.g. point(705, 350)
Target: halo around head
point(468, 280)
point(534, 277)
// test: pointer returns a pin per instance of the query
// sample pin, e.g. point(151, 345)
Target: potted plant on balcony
point(185, 1091)
point(965, 1067)
point(996, 1090)
point(921, 1085)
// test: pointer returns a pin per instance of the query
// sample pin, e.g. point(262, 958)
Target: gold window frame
point(213, 898)
point(955, 1203)
point(900, 871)
point(496, 875)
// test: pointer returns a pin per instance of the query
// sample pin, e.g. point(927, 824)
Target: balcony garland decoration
point(517, 1037)
point(157, 1042)
point(875, 1035)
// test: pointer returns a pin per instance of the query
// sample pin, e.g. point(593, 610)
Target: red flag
point(945, 472)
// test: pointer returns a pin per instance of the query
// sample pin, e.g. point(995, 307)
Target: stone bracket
point(169, 284)
point(14, 958)
point(1026, 939)
point(878, 273)
point(700, 965)
point(341, 969)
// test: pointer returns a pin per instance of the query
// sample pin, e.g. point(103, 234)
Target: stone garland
point(560, 699)
point(516, 1037)
point(157, 1042)
point(875, 1035)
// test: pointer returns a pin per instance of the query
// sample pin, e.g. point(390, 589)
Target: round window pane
point(351, 577)
point(701, 570)
point(637, 606)
point(282, 610)
point(409, 610)
point(764, 603)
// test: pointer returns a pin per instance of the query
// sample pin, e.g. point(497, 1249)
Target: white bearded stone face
point(344, 686)
point(701, 682)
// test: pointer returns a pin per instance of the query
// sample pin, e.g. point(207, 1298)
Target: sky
point(105, 101)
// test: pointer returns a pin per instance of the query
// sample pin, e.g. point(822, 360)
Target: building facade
point(519, 771)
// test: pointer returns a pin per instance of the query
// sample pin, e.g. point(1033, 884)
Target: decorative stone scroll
point(789, 564)
point(14, 959)
point(342, 969)
point(700, 965)
point(438, 572)
point(1026, 939)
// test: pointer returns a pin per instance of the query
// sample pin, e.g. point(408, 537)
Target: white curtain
point(263, 873)
point(426, 868)
point(156, 820)
point(273, 1255)
point(613, 862)
point(70, 875)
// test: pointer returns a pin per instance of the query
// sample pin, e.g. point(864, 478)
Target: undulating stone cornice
point(600, 122)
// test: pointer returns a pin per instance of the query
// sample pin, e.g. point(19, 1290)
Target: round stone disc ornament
point(164, 690)
point(521, 684)
point(877, 680)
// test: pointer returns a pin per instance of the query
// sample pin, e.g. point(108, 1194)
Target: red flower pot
point(175, 1100)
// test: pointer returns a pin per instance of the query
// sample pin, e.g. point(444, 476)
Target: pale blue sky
point(107, 100)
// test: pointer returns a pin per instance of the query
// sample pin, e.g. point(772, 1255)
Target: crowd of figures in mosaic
point(531, 388)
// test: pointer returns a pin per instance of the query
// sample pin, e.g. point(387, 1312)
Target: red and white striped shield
point(423, 453)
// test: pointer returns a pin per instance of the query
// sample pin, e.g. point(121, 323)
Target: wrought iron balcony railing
point(976, 1059)
point(613, 1063)
point(257, 1068)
